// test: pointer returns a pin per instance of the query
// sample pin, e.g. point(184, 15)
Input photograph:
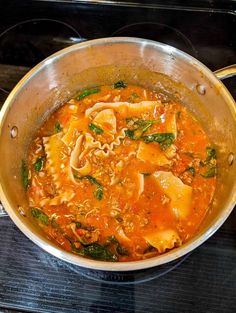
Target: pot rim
point(102, 265)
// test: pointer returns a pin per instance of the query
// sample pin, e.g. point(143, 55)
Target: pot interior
point(140, 62)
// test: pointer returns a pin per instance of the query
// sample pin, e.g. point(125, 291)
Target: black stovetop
point(31, 280)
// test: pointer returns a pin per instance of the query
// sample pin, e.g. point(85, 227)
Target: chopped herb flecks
point(120, 84)
point(38, 165)
point(191, 170)
point(146, 174)
point(87, 93)
point(178, 114)
point(129, 133)
point(99, 193)
point(97, 130)
point(133, 96)
point(211, 154)
point(57, 127)
point(210, 172)
point(78, 224)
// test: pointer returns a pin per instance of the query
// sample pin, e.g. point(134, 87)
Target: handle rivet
point(14, 132)
point(230, 158)
point(201, 89)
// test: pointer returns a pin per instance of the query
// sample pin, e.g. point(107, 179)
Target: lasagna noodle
point(54, 148)
point(106, 120)
point(124, 108)
point(152, 153)
point(163, 240)
point(179, 193)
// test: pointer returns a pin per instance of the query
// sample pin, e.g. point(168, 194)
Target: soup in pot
point(120, 173)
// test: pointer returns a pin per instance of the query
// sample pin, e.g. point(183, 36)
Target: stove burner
point(130, 277)
point(158, 32)
point(29, 42)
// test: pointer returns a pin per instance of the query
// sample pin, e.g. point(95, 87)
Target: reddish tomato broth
point(119, 183)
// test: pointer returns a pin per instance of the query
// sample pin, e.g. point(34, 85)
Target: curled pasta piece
point(75, 155)
point(107, 120)
point(124, 108)
point(85, 169)
point(89, 143)
point(75, 158)
point(179, 193)
point(163, 240)
point(54, 148)
point(121, 234)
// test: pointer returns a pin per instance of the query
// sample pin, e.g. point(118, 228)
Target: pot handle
point(226, 72)
point(2, 211)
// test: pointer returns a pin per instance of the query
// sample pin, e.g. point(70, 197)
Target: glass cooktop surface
point(31, 280)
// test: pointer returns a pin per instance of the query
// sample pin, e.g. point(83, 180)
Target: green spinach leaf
point(40, 215)
point(191, 170)
point(210, 172)
point(122, 251)
point(97, 130)
point(140, 127)
point(25, 175)
point(99, 193)
point(57, 127)
point(38, 165)
point(97, 252)
point(211, 154)
point(78, 224)
point(88, 92)
point(133, 96)
point(164, 139)
point(120, 84)
point(92, 180)
point(130, 133)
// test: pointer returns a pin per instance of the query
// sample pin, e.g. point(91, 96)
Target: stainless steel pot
point(103, 61)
